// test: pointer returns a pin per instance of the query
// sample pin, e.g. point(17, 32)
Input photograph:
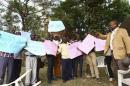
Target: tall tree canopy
point(89, 15)
point(79, 16)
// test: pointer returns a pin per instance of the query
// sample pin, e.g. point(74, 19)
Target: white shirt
point(56, 42)
point(112, 37)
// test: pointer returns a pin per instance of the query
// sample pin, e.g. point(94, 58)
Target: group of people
point(117, 50)
point(12, 64)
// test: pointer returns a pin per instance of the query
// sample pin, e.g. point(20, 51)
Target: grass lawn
point(84, 81)
point(76, 82)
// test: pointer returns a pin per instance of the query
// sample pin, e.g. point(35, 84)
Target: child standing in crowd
point(91, 60)
point(78, 61)
point(31, 63)
point(17, 64)
point(51, 53)
point(8, 61)
point(66, 61)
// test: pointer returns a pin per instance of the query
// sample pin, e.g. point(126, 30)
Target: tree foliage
point(79, 16)
point(26, 15)
point(90, 15)
point(30, 20)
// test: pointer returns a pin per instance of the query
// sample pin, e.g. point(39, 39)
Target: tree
point(120, 9)
point(19, 11)
point(3, 24)
point(29, 19)
point(90, 15)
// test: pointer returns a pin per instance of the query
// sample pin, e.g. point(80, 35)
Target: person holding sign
point(51, 51)
point(119, 42)
point(108, 56)
point(10, 46)
point(66, 61)
point(77, 60)
point(91, 60)
point(17, 63)
point(31, 63)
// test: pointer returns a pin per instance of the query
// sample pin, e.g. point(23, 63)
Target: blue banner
point(26, 34)
point(11, 43)
point(36, 48)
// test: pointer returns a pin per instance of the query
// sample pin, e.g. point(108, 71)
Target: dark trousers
point(50, 67)
point(6, 63)
point(123, 64)
point(40, 64)
point(16, 69)
point(66, 69)
point(108, 61)
point(78, 61)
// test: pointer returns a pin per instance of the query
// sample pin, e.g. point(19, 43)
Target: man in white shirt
point(119, 43)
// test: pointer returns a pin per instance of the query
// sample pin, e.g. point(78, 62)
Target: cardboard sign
point(56, 26)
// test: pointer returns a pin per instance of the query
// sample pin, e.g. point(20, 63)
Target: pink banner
point(99, 44)
point(87, 44)
point(50, 47)
point(74, 51)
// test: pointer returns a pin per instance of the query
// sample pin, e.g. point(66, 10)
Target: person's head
point(49, 37)
point(18, 33)
point(78, 37)
point(64, 39)
point(13, 31)
point(72, 37)
point(34, 37)
point(113, 24)
point(85, 34)
point(56, 38)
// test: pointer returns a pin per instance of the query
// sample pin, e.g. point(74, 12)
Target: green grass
point(76, 82)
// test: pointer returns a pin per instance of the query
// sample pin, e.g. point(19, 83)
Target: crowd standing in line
point(60, 65)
